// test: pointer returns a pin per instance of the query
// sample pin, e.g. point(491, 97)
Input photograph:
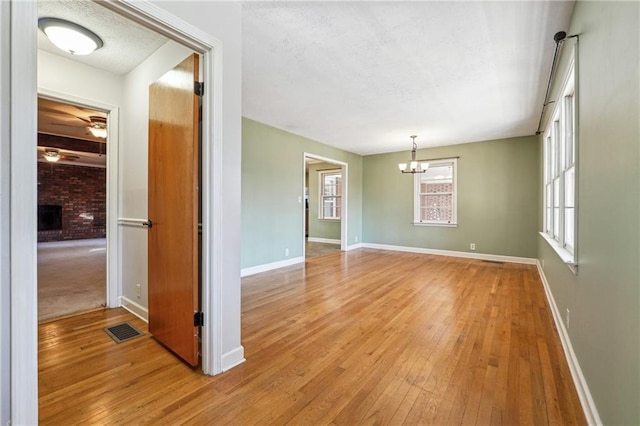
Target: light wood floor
point(364, 337)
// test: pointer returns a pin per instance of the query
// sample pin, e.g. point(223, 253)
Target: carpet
point(72, 277)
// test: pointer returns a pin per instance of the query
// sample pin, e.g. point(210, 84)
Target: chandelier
point(413, 166)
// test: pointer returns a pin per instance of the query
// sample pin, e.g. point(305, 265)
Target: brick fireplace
point(78, 195)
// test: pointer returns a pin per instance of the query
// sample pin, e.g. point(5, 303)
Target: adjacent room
point(379, 213)
point(72, 209)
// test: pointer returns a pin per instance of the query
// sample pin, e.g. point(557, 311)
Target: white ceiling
point(126, 44)
point(364, 76)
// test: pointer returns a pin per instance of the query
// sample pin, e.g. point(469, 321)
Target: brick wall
point(82, 193)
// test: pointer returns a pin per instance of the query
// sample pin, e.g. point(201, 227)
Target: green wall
point(328, 229)
point(604, 296)
point(272, 181)
point(497, 199)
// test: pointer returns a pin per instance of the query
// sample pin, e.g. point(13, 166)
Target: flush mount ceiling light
point(51, 156)
point(413, 166)
point(70, 37)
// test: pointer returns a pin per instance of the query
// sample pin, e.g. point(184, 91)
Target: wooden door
point(173, 210)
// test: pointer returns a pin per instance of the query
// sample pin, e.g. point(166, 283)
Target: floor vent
point(497, 262)
point(123, 332)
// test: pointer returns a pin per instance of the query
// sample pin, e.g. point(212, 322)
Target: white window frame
point(559, 176)
point(322, 197)
point(417, 199)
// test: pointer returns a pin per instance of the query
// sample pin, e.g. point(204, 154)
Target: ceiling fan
point(54, 155)
point(95, 124)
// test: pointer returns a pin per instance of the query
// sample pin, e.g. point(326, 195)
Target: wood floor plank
point(362, 337)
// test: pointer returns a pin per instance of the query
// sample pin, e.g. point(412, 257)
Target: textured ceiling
point(126, 44)
point(364, 76)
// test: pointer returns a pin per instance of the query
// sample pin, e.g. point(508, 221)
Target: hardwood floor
point(364, 337)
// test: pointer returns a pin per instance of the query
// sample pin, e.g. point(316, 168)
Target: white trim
point(161, 21)
point(480, 256)
point(233, 358)
point(323, 240)
point(588, 405)
point(135, 308)
point(23, 217)
point(252, 270)
point(436, 224)
point(417, 177)
point(562, 253)
point(354, 246)
point(344, 198)
point(321, 196)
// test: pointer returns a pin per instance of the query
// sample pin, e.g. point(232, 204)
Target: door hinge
point(198, 88)
point(198, 319)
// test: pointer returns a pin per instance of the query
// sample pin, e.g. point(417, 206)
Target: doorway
point(325, 206)
point(220, 350)
point(72, 208)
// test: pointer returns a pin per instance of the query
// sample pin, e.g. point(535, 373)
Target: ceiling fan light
point(98, 132)
point(52, 156)
point(70, 37)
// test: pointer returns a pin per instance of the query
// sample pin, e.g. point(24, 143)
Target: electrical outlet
point(139, 290)
point(472, 246)
point(356, 238)
point(567, 318)
point(286, 252)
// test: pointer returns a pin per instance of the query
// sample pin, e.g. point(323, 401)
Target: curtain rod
point(560, 37)
point(437, 159)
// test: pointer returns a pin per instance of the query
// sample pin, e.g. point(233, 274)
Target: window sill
point(441, 225)
point(329, 220)
point(562, 253)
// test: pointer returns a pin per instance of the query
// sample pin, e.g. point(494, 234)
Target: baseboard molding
point(323, 240)
point(136, 309)
point(469, 255)
point(588, 405)
point(233, 358)
point(354, 246)
point(245, 272)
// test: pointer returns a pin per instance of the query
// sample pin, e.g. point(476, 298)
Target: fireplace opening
point(49, 218)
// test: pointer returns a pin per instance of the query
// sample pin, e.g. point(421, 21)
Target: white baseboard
point(354, 246)
point(470, 255)
point(136, 309)
point(323, 240)
point(588, 405)
point(245, 272)
point(233, 358)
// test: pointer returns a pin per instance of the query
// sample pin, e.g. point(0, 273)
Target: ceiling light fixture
point(70, 37)
point(413, 166)
point(98, 132)
point(51, 156)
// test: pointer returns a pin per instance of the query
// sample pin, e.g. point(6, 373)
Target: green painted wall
point(604, 297)
point(497, 199)
point(272, 181)
point(329, 229)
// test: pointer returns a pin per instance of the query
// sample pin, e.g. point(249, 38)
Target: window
point(560, 174)
point(330, 195)
point(436, 194)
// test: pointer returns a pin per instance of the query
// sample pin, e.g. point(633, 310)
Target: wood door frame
point(114, 281)
point(18, 114)
point(345, 186)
